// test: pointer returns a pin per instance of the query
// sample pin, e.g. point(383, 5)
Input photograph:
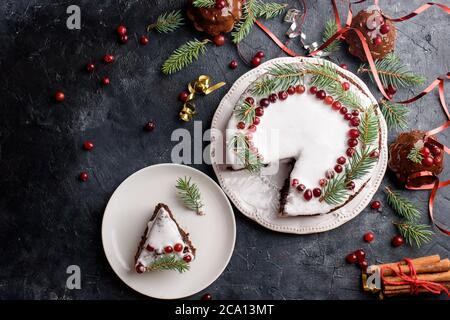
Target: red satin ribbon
point(412, 280)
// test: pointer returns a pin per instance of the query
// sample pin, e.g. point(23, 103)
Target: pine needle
point(169, 262)
point(359, 165)
point(330, 29)
point(189, 194)
point(279, 77)
point(415, 155)
point(335, 191)
point(414, 234)
point(402, 206)
point(395, 114)
point(245, 112)
point(368, 127)
point(393, 72)
point(268, 10)
point(248, 159)
point(167, 22)
point(203, 3)
point(184, 55)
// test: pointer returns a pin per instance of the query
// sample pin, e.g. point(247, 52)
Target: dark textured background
point(50, 220)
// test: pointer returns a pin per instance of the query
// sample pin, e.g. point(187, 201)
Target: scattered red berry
point(178, 247)
point(363, 265)
point(428, 161)
point(83, 176)
point(255, 61)
point(168, 249)
point(149, 126)
point(140, 268)
point(282, 95)
point(350, 152)
point(375, 205)
point(121, 30)
point(345, 86)
point(329, 174)
point(206, 296)
point(352, 142)
point(291, 91)
point(374, 154)
point(436, 151)
point(437, 160)
point(241, 125)
point(183, 96)
point(317, 192)
point(88, 145)
point(308, 194)
point(355, 113)
point(143, 40)
point(329, 100)
point(341, 160)
point(425, 152)
point(59, 96)
point(351, 258)
point(301, 187)
point(369, 237)
point(397, 241)
point(105, 81)
point(250, 100)
point(377, 40)
point(338, 168)
point(220, 4)
point(123, 38)
point(108, 58)
point(90, 67)
point(343, 66)
point(260, 54)
point(264, 102)
point(300, 89)
point(323, 182)
point(187, 258)
point(313, 90)
point(256, 121)
point(360, 255)
point(273, 98)
point(321, 94)
point(336, 105)
point(294, 182)
point(350, 185)
point(233, 64)
point(259, 111)
point(150, 248)
point(353, 133)
point(348, 116)
point(354, 122)
point(219, 40)
point(385, 28)
point(343, 110)
point(252, 128)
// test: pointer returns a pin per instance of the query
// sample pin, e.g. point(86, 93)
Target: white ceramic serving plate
point(256, 196)
point(132, 205)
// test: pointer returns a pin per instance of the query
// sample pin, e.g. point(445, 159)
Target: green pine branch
point(167, 22)
point(203, 3)
point(169, 262)
point(414, 234)
point(279, 77)
point(184, 55)
point(395, 114)
point(335, 192)
point(268, 10)
point(402, 206)
point(330, 29)
point(393, 72)
point(248, 159)
point(190, 194)
point(245, 112)
point(368, 127)
point(359, 165)
point(415, 155)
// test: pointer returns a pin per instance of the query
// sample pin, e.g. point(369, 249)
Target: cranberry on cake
point(315, 117)
point(164, 245)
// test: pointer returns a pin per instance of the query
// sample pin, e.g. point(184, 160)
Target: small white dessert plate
point(127, 215)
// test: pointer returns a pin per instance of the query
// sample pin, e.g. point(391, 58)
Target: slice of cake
point(164, 245)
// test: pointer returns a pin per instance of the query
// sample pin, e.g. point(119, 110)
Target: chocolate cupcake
point(379, 32)
point(214, 21)
point(404, 165)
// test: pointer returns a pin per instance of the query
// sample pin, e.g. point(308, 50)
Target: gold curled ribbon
point(202, 85)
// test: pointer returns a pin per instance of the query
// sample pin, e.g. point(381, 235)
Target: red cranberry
point(143, 40)
point(241, 125)
point(220, 4)
point(354, 122)
point(150, 248)
point(140, 268)
point(300, 89)
point(391, 89)
point(206, 296)
point(273, 98)
point(178, 247)
point(150, 126)
point(360, 255)
point(355, 113)
point(329, 174)
point(425, 152)
point(341, 160)
point(259, 111)
point(323, 182)
point(88, 145)
point(329, 100)
point(108, 58)
point(369, 237)
point(374, 154)
point(250, 100)
point(317, 192)
point(352, 142)
point(123, 38)
point(307, 194)
point(282, 95)
point(351, 258)
point(294, 182)
point(377, 41)
point(436, 151)
point(336, 105)
point(375, 205)
point(338, 168)
point(90, 67)
point(105, 81)
point(183, 96)
point(301, 187)
point(252, 128)
point(437, 160)
point(345, 86)
point(348, 116)
point(256, 121)
point(255, 61)
point(350, 152)
point(363, 265)
point(313, 90)
point(343, 110)
point(121, 30)
point(168, 249)
point(343, 66)
point(350, 185)
point(219, 40)
point(397, 241)
point(291, 91)
point(59, 96)
point(353, 133)
point(259, 54)
point(83, 176)
point(264, 102)
point(385, 28)
point(233, 64)
point(427, 162)
point(321, 94)
point(187, 258)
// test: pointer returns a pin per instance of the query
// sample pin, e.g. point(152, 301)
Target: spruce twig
point(330, 29)
point(167, 22)
point(184, 55)
point(248, 159)
point(335, 191)
point(402, 206)
point(190, 194)
point(203, 3)
point(359, 165)
point(414, 234)
point(368, 127)
point(245, 112)
point(395, 114)
point(169, 262)
point(393, 72)
point(279, 77)
point(415, 155)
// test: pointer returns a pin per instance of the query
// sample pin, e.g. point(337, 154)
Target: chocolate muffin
point(403, 167)
point(379, 32)
point(214, 21)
